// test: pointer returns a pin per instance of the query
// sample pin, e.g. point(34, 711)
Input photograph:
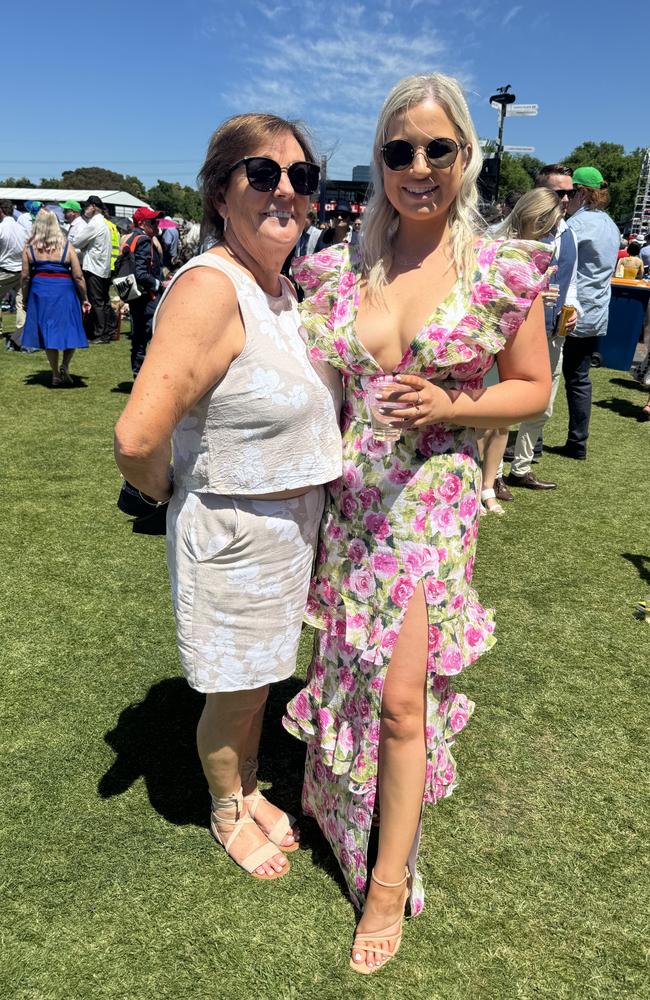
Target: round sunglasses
point(263, 174)
point(398, 154)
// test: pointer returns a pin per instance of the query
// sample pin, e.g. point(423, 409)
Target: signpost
point(504, 102)
point(502, 99)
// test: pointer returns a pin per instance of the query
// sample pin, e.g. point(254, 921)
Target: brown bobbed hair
point(596, 198)
point(239, 136)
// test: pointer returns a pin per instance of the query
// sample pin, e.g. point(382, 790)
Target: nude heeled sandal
point(393, 932)
point(257, 857)
point(284, 825)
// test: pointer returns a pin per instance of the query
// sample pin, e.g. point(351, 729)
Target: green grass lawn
point(536, 869)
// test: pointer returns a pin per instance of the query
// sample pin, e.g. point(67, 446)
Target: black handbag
point(150, 516)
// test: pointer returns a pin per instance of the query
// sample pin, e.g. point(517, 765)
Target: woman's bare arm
point(198, 334)
point(25, 276)
point(77, 275)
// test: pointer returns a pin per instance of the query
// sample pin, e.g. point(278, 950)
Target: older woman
point(427, 302)
point(255, 435)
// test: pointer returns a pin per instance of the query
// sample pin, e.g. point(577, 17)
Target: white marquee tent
point(119, 203)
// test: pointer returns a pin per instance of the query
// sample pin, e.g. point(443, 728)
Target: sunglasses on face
point(399, 154)
point(263, 174)
point(564, 194)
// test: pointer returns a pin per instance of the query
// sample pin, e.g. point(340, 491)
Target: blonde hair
point(47, 236)
point(381, 220)
point(536, 214)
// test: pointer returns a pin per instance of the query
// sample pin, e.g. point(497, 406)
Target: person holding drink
point(539, 215)
point(425, 302)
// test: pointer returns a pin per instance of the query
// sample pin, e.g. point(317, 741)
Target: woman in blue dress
point(53, 288)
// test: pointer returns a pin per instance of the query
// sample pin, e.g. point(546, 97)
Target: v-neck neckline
point(441, 307)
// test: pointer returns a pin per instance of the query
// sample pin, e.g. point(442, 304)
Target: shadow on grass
point(44, 379)
point(124, 387)
point(155, 739)
point(628, 383)
point(640, 563)
point(623, 407)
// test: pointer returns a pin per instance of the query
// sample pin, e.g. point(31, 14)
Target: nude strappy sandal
point(391, 934)
point(257, 857)
point(284, 825)
point(491, 495)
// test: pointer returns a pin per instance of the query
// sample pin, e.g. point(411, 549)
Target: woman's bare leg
point(402, 767)
point(494, 443)
point(266, 814)
point(53, 361)
point(221, 738)
point(67, 356)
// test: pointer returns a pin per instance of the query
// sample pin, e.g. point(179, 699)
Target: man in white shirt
point(74, 220)
point(12, 240)
point(94, 241)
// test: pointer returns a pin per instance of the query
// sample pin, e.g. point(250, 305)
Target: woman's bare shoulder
point(201, 291)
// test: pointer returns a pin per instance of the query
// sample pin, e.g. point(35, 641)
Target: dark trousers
point(100, 321)
point(576, 367)
point(142, 311)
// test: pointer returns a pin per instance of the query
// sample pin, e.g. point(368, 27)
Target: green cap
point(73, 205)
point(588, 177)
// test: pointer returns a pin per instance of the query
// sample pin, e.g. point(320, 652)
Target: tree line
point(169, 197)
point(621, 170)
point(518, 173)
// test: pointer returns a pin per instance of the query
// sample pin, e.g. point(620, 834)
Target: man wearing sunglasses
point(528, 445)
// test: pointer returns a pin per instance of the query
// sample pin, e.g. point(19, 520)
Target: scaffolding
point(641, 216)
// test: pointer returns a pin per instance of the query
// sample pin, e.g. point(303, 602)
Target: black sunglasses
point(263, 174)
point(399, 154)
point(564, 194)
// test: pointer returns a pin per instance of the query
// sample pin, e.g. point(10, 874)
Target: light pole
point(323, 187)
point(503, 98)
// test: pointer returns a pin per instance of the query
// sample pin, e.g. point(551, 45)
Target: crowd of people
point(319, 459)
point(94, 243)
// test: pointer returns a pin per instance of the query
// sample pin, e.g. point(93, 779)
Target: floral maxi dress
point(401, 513)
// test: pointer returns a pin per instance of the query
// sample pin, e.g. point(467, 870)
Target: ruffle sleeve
point(330, 282)
point(512, 273)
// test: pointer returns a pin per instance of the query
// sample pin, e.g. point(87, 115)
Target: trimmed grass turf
point(113, 889)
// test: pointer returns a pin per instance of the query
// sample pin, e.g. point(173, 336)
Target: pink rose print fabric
point(399, 515)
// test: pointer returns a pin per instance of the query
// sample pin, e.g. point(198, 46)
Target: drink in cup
point(380, 423)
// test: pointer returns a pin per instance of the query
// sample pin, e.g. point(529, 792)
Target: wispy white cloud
point(510, 14)
point(271, 13)
point(333, 66)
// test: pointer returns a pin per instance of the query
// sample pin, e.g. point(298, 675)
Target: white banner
point(521, 109)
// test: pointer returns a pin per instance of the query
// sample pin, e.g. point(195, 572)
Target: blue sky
point(139, 87)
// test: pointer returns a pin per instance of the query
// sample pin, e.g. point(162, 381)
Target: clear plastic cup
point(381, 423)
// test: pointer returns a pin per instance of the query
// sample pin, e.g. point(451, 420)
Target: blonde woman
point(537, 215)
point(53, 288)
point(426, 301)
point(540, 215)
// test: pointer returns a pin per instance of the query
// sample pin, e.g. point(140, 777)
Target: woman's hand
point(427, 402)
point(86, 307)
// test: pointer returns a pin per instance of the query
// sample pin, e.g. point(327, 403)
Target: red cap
point(145, 215)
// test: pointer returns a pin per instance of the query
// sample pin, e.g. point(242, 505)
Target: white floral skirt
point(240, 572)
